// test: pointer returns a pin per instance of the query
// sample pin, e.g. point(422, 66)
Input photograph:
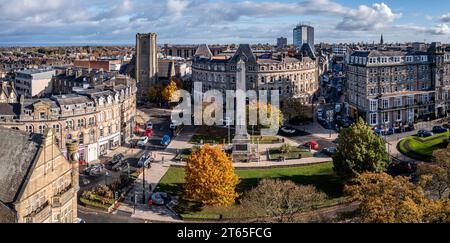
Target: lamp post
point(143, 186)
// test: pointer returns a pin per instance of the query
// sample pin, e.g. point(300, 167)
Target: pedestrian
point(162, 159)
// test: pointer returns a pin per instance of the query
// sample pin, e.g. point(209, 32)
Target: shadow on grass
point(329, 184)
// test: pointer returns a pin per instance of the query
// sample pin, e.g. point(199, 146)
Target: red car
point(148, 133)
point(313, 145)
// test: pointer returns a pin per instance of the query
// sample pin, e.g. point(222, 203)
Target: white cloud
point(440, 29)
point(445, 18)
point(176, 8)
point(366, 18)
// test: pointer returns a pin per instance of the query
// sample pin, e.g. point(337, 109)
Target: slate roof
point(9, 109)
point(245, 53)
point(17, 155)
point(203, 51)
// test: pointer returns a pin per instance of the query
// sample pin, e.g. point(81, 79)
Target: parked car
point(330, 151)
point(338, 108)
point(160, 198)
point(173, 125)
point(150, 125)
point(148, 133)
point(424, 134)
point(122, 166)
point(80, 221)
point(97, 170)
point(145, 161)
point(117, 159)
point(288, 130)
point(439, 129)
point(390, 131)
point(446, 125)
point(142, 141)
point(320, 113)
point(313, 145)
point(166, 140)
point(378, 131)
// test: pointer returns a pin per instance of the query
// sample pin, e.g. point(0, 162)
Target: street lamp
point(330, 114)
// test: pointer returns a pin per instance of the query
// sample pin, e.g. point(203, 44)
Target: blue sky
point(56, 22)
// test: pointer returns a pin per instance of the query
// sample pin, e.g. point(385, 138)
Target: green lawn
point(423, 149)
point(212, 135)
point(265, 139)
point(295, 153)
point(322, 176)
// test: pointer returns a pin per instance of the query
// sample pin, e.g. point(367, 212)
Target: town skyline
point(57, 22)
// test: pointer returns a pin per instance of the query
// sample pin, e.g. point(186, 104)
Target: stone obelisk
point(241, 141)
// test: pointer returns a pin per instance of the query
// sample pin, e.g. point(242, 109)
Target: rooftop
point(17, 155)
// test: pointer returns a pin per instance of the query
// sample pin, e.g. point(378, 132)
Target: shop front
point(108, 143)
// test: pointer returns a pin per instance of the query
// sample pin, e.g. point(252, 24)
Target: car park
point(424, 134)
point(142, 141)
point(439, 129)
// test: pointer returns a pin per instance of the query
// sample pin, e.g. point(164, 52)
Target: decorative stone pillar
point(73, 157)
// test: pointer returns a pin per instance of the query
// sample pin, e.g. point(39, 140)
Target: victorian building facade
point(293, 76)
point(398, 88)
point(101, 118)
point(37, 183)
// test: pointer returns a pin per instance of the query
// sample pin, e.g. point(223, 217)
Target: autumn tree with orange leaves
point(169, 91)
point(210, 177)
point(385, 199)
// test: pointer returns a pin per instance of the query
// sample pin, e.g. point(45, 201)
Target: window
point(373, 105)
point(56, 128)
point(102, 132)
point(42, 129)
point(373, 119)
point(386, 118)
point(29, 129)
point(399, 115)
point(42, 115)
point(69, 124)
point(385, 104)
point(398, 102)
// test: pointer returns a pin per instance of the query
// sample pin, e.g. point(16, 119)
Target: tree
point(169, 91)
point(280, 200)
point(210, 177)
point(270, 110)
point(154, 93)
point(385, 199)
point(435, 178)
point(360, 150)
point(296, 111)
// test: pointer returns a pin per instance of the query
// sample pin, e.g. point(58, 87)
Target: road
point(93, 217)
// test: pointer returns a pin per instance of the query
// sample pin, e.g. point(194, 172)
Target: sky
point(111, 22)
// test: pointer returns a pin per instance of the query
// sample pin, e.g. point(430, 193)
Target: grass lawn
point(212, 135)
point(321, 176)
point(265, 139)
point(295, 153)
point(423, 149)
